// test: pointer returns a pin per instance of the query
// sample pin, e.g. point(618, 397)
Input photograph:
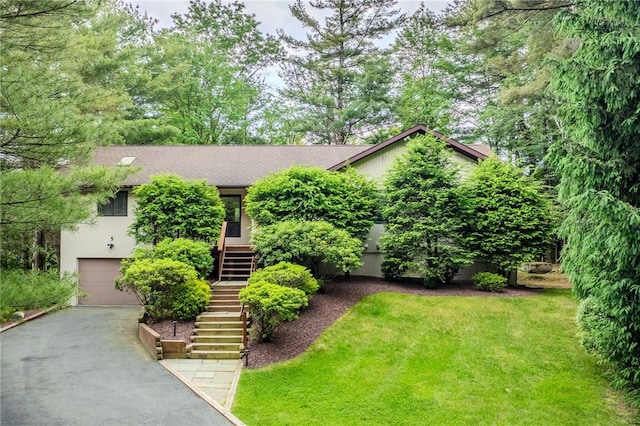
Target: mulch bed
point(184, 330)
point(293, 338)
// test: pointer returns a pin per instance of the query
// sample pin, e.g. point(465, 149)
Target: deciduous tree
point(171, 207)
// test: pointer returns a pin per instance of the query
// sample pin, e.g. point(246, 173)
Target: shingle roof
point(239, 166)
point(235, 166)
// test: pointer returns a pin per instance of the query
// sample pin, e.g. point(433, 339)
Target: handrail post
point(243, 318)
point(221, 248)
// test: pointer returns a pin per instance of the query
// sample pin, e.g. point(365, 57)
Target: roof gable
point(420, 129)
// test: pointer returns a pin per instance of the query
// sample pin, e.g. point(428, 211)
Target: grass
point(410, 360)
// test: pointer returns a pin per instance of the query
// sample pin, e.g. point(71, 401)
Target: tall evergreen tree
point(422, 213)
point(598, 163)
point(503, 75)
point(51, 116)
point(338, 78)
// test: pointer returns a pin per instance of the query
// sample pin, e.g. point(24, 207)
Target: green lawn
point(398, 359)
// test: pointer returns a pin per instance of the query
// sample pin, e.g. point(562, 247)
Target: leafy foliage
point(206, 74)
point(346, 199)
point(191, 300)
point(33, 290)
point(194, 253)
point(508, 218)
point(423, 52)
point(501, 73)
point(270, 305)
point(288, 275)
point(597, 165)
point(422, 212)
point(170, 207)
point(489, 281)
point(316, 245)
point(166, 288)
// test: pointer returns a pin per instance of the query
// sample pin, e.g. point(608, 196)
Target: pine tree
point(338, 78)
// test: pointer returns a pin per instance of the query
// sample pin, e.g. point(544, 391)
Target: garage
point(96, 279)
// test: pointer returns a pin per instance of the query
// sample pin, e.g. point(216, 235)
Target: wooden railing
point(221, 248)
point(243, 319)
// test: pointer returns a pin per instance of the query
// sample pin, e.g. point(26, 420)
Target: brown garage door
point(96, 278)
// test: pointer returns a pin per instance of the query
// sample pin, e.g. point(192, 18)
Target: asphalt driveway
point(85, 366)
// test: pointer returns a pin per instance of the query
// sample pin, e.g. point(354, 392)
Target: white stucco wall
point(90, 241)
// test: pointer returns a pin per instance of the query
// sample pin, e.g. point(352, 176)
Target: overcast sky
point(272, 14)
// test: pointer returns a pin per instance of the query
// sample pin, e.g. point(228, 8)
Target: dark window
point(117, 206)
point(232, 205)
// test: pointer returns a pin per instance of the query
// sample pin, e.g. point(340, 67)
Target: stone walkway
point(214, 380)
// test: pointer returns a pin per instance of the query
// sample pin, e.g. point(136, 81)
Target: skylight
point(126, 161)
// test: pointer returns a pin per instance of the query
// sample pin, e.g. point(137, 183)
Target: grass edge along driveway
point(409, 360)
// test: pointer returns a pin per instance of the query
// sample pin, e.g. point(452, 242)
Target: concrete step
point(215, 355)
point(229, 289)
point(217, 339)
point(232, 294)
point(231, 284)
point(218, 324)
point(218, 331)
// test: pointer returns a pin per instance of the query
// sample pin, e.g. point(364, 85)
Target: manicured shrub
point(158, 284)
point(22, 290)
point(191, 299)
point(288, 275)
point(171, 207)
point(317, 245)
point(508, 217)
point(345, 199)
point(488, 281)
point(194, 253)
point(270, 305)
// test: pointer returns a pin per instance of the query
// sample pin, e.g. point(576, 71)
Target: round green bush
point(488, 281)
point(192, 299)
point(270, 305)
point(157, 283)
point(194, 253)
point(317, 245)
point(288, 275)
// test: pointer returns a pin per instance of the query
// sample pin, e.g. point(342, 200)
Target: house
point(94, 250)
